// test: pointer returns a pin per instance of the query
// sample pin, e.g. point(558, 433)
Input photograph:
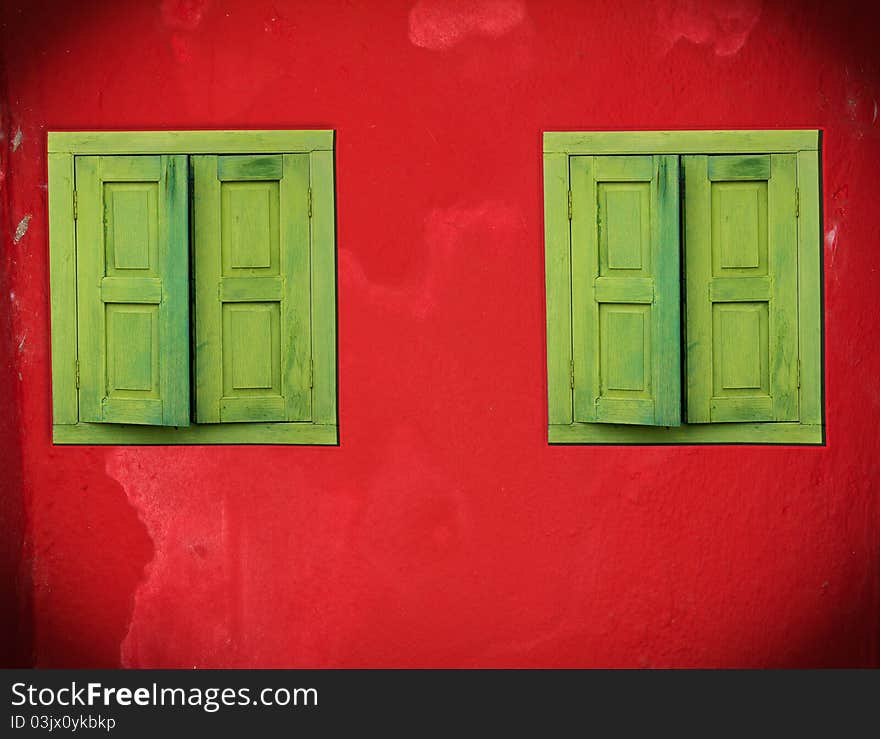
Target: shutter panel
point(133, 290)
point(625, 290)
point(741, 256)
point(253, 342)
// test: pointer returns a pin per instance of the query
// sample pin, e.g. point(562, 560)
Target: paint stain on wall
point(21, 228)
point(180, 550)
point(724, 25)
point(183, 14)
point(444, 531)
point(448, 233)
point(831, 243)
point(435, 24)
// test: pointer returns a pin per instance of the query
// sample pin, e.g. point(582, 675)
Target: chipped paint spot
point(143, 492)
point(831, 236)
point(21, 228)
point(724, 25)
point(22, 342)
point(434, 24)
point(16, 139)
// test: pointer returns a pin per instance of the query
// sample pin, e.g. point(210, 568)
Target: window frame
point(558, 147)
point(63, 147)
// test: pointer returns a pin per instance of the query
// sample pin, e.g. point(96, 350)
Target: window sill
point(719, 433)
point(225, 433)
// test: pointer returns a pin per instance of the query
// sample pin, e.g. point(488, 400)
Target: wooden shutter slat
point(133, 290)
point(741, 262)
point(625, 290)
point(253, 327)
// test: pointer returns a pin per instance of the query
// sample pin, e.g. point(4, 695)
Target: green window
point(193, 287)
point(683, 287)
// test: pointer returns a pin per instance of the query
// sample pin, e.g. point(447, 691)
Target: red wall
point(444, 531)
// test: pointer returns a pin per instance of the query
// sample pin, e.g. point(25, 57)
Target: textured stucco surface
point(444, 531)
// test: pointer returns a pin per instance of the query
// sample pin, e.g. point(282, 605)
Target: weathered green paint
point(251, 289)
point(62, 273)
point(215, 433)
point(249, 167)
point(625, 289)
point(809, 289)
point(743, 289)
point(741, 263)
point(679, 142)
point(667, 292)
point(260, 154)
point(739, 167)
point(133, 330)
point(131, 289)
point(557, 269)
point(323, 225)
point(252, 276)
point(189, 142)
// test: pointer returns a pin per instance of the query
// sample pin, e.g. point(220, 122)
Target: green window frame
point(193, 287)
point(684, 287)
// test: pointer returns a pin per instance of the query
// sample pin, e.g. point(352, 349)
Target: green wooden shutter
point(252, 325)
point(133, 289)
point(625, 290)
point(741, 257)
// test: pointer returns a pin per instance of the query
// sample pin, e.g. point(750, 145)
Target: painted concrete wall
point(444, 531)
